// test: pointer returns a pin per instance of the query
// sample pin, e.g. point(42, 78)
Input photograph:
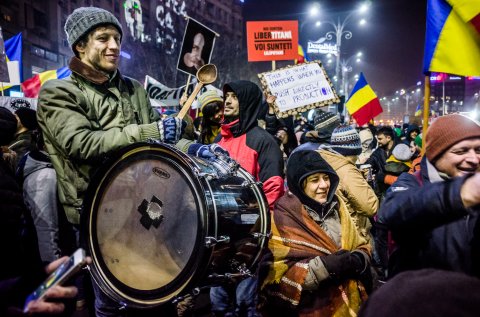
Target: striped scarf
point(296, 239)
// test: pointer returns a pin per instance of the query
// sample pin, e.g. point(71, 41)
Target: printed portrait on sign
point(197, 47)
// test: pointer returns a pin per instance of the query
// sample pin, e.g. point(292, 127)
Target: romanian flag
point(452, 42)
point(31, 86)
point(418, 110)
point(13, 50)
point(363, 104)
point(302, 55)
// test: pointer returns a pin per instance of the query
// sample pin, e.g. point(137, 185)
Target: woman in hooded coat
point(317, 258)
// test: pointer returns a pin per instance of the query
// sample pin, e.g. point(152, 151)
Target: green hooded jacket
point(84, 118)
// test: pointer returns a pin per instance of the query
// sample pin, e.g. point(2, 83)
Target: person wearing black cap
point(21, 269)
point(317, 257)
point(95, 111)
point(24, 136)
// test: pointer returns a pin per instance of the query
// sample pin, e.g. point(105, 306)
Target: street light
point(314, 10)
point(347, 68)
point(339, 32)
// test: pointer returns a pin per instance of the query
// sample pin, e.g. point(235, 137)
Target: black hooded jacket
point(300, 165)
point(251, 146)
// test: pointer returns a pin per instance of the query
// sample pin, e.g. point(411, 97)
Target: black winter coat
point(430, 226)
point(21, 270)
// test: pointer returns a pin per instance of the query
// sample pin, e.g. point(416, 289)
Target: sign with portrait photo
point(299, 88)
point(197, 47)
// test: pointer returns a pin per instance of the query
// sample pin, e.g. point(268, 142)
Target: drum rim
point(192, 269)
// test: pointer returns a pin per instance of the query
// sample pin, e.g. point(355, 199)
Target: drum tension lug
point(258, 235)
point(208, 176)
point(212, 241)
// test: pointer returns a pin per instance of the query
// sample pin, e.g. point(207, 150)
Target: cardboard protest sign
point(272, 40)
point(197, 47)
point(299, 88)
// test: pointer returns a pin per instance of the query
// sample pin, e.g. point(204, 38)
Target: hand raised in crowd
point(270, 100)
point(183, 99)
point(44, 306)
point(469, 191)
point(171, 129)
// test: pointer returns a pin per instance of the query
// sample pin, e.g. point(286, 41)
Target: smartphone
point(65, 271)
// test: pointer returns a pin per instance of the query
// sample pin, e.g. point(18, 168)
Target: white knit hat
point(402, 152)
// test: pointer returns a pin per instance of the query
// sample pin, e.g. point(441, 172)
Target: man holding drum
point(94, 112)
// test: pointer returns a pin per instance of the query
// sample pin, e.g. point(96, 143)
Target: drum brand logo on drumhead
point(160, 172)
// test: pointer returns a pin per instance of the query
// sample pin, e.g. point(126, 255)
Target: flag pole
point(3, 93)
point(273, 65)
point(426, 110)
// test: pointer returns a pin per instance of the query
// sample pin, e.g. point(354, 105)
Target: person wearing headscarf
point(317, 257)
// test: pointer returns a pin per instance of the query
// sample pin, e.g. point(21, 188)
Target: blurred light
point(359, 54)
point(363, 8)
point(358, 60)
point(362, 22)
point(318, 23)
point(314, 10)
point(125, 54)
point(329, 61)
point(419, 83)
point(14, 93)
point(418, 89)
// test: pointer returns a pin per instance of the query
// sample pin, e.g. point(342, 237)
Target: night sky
point(392, 41)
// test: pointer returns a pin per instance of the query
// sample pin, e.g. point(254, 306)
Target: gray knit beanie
point(85, 19)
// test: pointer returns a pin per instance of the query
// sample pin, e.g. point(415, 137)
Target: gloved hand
point(345, 264)
point(171, 129)
point(207, 151)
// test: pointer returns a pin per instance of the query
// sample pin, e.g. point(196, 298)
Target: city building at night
point(153, 33)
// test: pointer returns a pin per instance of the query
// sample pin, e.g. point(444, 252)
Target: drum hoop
point(193, 264)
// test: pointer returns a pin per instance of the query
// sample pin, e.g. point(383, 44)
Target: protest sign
point(14, 103)
point(272, 40)
point(299, 88)
point(197, 47)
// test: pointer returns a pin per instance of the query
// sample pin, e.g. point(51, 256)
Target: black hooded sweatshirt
point(251, 146)
point(300, 165)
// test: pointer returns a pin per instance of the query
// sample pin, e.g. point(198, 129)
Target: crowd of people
point(361, 217)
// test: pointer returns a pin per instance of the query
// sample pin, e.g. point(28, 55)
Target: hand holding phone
point(64, 268)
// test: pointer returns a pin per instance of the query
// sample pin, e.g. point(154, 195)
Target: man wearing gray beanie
point(94, 112)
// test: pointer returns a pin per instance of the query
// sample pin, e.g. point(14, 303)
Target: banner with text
point(272, 40)
point(299, 88)
point(13, 103)
point(170, 97)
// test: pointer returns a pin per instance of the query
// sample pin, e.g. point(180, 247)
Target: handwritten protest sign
point(299, 88)
point(272, 40)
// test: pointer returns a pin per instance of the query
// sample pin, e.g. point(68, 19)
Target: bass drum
point(158, 220)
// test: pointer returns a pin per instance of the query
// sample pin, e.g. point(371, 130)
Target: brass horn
point(206, 74)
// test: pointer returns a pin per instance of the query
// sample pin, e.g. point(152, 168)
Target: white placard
point(300, 88)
